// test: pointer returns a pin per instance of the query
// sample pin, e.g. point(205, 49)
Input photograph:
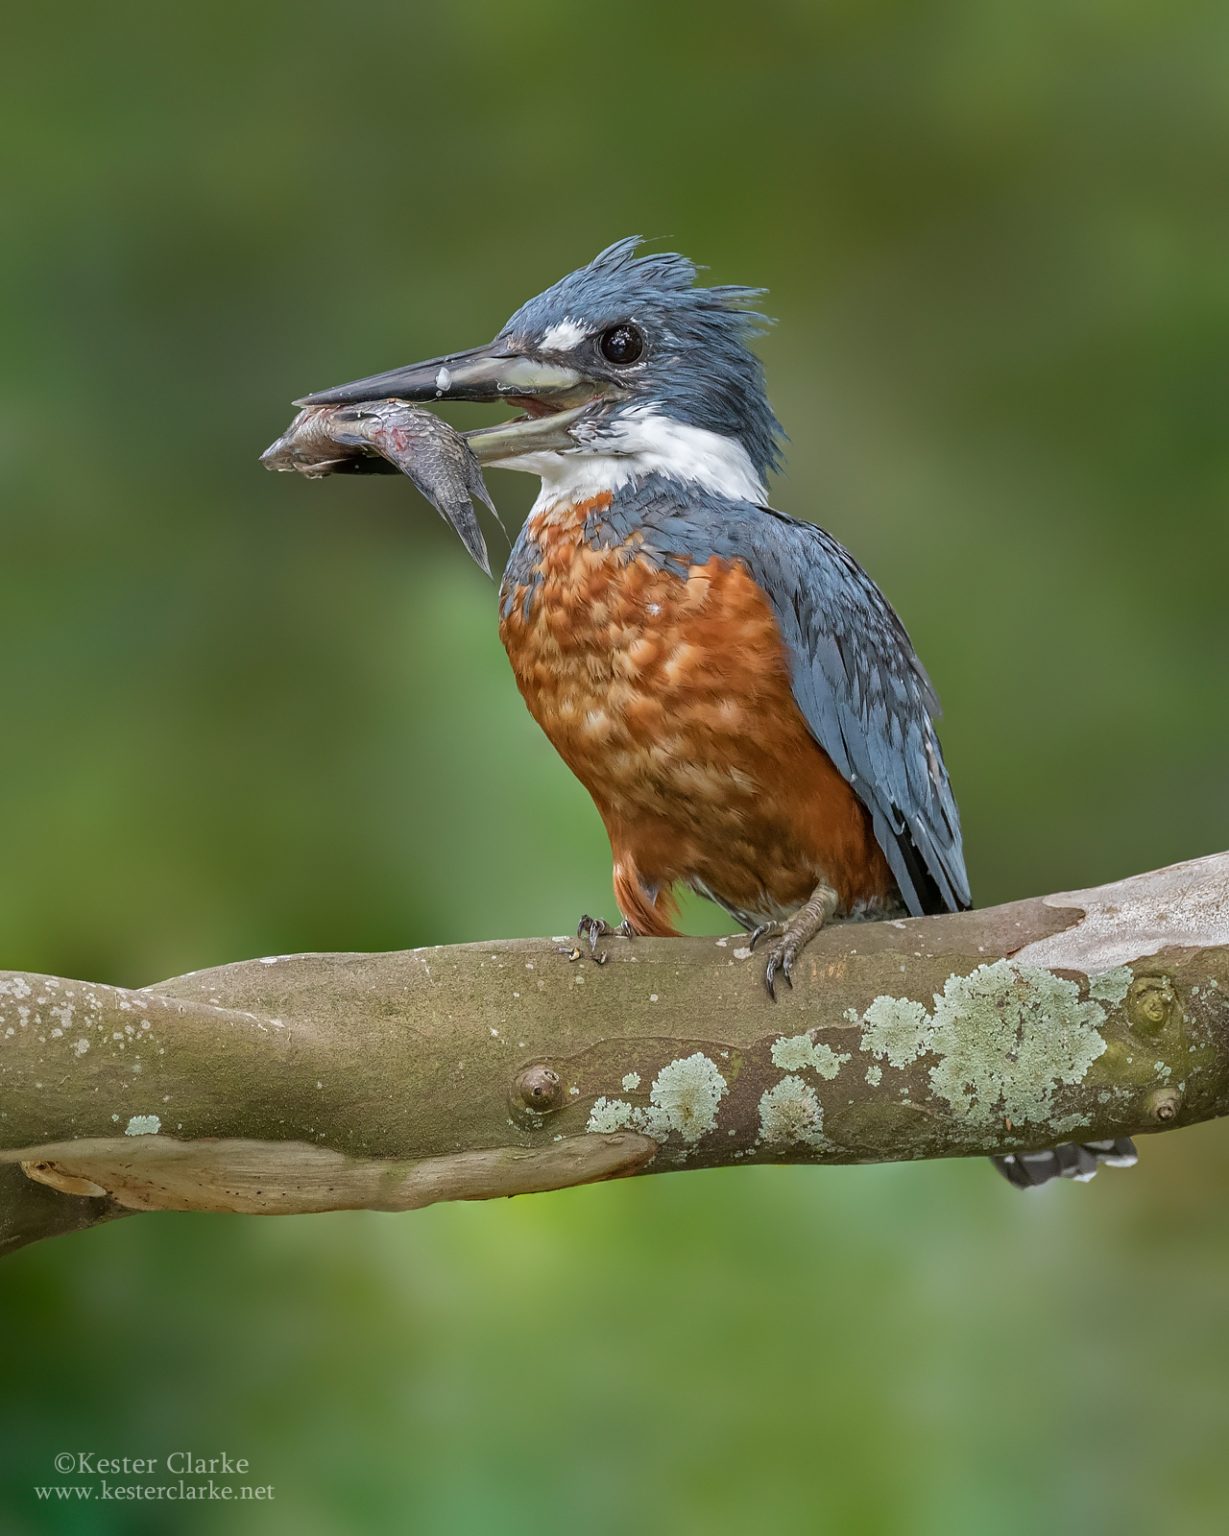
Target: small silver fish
point(388, 436)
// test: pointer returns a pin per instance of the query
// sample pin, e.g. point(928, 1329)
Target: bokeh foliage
point(246, 715)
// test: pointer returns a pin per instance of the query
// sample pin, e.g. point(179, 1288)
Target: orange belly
point(670, 700)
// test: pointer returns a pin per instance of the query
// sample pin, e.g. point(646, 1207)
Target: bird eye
point(621, 344)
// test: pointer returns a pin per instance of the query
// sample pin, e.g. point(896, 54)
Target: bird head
point(622, 368)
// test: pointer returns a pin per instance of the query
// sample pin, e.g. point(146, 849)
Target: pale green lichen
point(143, 1125)
point(897, 1029)
point(609, 1115)
point(796, 1053)
point(685, 1095)
point(1006, 1036)
point(791, 1115)
point(1111, 986)
point(874, 1076)
point(631, 1081)
point(683, 1103)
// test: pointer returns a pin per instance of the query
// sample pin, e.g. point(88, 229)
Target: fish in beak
point(380, 424)
point(552, 394)
point(391, 435)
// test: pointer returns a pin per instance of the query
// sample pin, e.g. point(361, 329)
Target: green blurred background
point(245, 714)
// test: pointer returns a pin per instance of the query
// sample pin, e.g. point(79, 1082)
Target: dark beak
point(496, 372)
point(555, 394)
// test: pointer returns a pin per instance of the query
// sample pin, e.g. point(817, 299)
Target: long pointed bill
point(484, 373)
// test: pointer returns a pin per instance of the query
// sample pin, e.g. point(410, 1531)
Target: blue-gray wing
point(867, 700)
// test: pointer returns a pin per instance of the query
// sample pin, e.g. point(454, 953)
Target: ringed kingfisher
point(734, 691)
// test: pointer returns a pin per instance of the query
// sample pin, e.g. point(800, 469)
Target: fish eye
point(621, 344)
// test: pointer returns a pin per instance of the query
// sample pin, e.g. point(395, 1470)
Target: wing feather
point(867, 700)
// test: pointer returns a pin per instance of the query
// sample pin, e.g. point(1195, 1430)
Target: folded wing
point(866, 699)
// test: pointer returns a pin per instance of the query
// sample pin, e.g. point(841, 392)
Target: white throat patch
point(644, 443)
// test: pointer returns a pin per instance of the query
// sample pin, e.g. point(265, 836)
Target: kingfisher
point(738, 697)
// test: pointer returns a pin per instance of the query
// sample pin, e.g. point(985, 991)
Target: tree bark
point(389, 1081)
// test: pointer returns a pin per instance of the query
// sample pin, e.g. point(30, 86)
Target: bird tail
point(1074, 1160)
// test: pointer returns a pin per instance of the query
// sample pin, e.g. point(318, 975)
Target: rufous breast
point(665, 688)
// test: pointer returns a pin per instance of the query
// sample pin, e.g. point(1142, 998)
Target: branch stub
point(1150, 1003)
point(539, 1088)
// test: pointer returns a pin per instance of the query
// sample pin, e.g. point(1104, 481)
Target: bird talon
point(762, 932)
point(595, 928)
point(780, 966)
point(770, 977)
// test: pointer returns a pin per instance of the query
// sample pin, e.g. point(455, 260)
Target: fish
point(389, 437)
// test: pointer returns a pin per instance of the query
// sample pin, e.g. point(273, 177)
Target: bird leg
point(595, 928)
point(794, 936)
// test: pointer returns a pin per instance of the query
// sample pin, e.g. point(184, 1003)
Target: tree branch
point(389, 1081)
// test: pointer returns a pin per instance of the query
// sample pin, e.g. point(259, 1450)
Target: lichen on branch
point(323, 1082)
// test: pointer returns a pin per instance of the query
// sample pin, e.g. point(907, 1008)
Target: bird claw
point(595, 928)
point(781, 959)
point(762, 932)
point(794, 936)
point(781, 956)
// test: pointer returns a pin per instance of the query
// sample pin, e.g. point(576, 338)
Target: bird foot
point(762, 932)
point(592, 929)
point(791, 938)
